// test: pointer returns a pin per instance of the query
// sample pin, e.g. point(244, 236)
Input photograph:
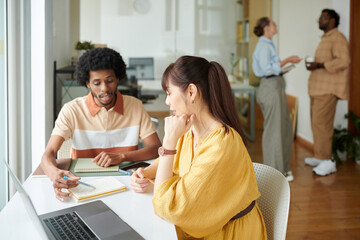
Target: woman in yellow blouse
point(204, 178)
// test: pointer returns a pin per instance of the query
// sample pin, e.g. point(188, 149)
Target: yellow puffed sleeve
point(210, 186)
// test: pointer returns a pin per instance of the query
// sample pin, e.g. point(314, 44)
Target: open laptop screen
point(27, 202)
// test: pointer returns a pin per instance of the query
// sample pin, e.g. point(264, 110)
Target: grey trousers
point(277, 135)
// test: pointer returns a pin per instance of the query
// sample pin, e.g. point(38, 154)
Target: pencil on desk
point(147, 178)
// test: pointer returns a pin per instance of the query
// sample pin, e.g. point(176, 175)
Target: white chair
point(274, 201)
point(65, 149)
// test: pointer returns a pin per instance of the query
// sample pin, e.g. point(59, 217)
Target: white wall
point(117, 24)
point(61, 33)
point(299, 35)
point(207, 30)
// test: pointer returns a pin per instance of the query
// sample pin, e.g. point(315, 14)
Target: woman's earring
point(192, 101)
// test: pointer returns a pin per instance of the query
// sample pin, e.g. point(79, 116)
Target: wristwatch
point(162, 151)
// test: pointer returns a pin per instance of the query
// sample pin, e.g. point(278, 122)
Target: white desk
point(134, 208)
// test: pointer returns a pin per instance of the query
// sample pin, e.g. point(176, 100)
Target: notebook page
point(86, 165)
point(103, 186)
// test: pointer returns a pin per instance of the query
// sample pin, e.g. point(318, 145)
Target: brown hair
point(260, 25)
point(213, 84)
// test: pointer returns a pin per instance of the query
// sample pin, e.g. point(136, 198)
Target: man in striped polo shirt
point(103, 125)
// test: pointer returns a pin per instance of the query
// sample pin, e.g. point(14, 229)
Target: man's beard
point(98, 97)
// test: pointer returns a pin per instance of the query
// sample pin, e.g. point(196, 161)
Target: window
point(15, 109)
point(3, 106)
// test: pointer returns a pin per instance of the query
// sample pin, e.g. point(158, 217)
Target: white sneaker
point(289, 176)
point(326, 167)
point(312, 161)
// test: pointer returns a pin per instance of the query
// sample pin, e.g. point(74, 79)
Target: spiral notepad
point(104, 186)
point(86, 165)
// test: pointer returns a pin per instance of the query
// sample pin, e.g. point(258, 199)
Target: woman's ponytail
point(222, 104)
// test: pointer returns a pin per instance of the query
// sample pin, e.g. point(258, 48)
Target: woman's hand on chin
point(175, 128)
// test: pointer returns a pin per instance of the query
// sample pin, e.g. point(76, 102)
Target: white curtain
point(19, 88)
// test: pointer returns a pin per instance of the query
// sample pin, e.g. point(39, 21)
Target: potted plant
point(83, 47)
point(345, 142)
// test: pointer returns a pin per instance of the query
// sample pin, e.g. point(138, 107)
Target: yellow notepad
point(104, 186)
point(86, 165)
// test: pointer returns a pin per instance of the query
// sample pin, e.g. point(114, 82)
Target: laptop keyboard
point(69, 226)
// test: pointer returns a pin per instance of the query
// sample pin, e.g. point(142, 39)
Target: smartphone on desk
point(135, 166)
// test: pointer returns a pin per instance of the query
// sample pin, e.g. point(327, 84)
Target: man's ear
point(332, 21)
point(87, 84)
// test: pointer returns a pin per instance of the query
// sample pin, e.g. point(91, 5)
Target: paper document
point(287, 68)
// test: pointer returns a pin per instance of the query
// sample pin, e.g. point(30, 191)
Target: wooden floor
point(320, 207)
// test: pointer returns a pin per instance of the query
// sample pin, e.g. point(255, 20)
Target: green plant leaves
point(86, 45)
point(345, 141)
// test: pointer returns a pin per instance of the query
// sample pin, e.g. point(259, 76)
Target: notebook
point(104, 186)
point(288, 68)
point(86, 165)
point(96, 219)
point(69, 164)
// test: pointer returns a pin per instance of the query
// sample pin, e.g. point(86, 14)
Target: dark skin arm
point(48, 164)
point(150, 151)
point(313, 65)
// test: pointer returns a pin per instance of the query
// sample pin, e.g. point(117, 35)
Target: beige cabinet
point(249, 12)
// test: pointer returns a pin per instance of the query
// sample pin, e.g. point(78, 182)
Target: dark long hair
point(212, 82)
point(260, 25)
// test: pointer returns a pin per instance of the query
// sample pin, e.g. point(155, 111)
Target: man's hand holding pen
point(59, 183)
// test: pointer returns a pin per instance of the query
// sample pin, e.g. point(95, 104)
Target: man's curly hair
point(99, 59)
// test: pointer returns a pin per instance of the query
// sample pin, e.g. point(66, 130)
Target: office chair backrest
point(65, 149)
point(274, 201)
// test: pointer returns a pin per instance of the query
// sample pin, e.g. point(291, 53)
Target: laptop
point(94, 220)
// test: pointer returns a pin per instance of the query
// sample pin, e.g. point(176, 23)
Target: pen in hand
point(147, 178)
point(85, 184)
